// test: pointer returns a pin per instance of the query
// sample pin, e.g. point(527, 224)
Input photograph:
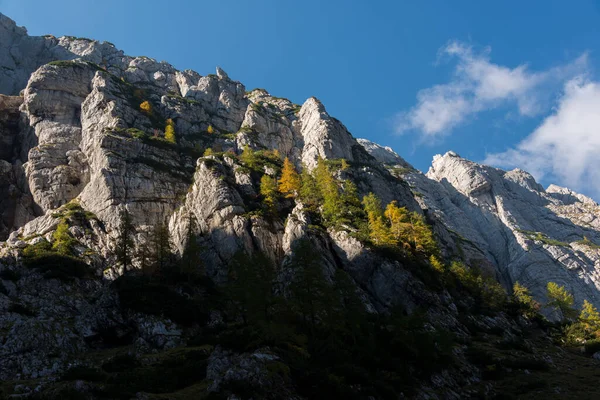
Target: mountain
point(108, 161)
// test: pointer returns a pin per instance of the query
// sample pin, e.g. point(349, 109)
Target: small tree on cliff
point(146, 107)
point(268, 189)
point(124, 248)
point(170, 131)
point(559, 298)
point(289, 183)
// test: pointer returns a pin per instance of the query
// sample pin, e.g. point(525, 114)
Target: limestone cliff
point(77, 148)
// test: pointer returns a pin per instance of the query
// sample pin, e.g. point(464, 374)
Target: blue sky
point(512, 83)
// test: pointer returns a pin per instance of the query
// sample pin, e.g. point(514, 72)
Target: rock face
point(82, 132)
point(505, 222)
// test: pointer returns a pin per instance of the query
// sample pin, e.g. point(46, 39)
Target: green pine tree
point(126, 231)
point(251, 287)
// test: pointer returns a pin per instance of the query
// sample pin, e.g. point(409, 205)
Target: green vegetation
point(525, 302)
point(52, 264)
point(560, 299)
point(541, 237)
point(268, 190)
point(587, 242)
point(63, 241)
point(258, 160)
point(59, 259)
point(65, 63)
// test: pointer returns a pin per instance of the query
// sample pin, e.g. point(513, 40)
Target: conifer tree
point(249, 158)
point(436, 264)
point(422, 236)
point(589, 317)
point(146, 107)
point(525, 300)
point(352, 207)
point(399, 221)
point(268, 189)
point(124, 248)
point(161, 247)
point(191, 262)
point(329, 191)
point(312, 296)
point(344, 165)
point(170, 131)
point(352, 309)
point(289, 183)
point(379, 232)
point(144, 256)
point(560, 299)
point(251, 286)
point(309, 192)
point(410, 228)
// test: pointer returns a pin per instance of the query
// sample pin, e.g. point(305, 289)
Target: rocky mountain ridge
point(76, 146)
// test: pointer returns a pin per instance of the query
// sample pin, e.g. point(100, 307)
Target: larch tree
point(313, 297)
point(399, 220)
point(559, 298)
point(170, 131)
point(289, 183)
point(329, 190)
point(191, 264)
point(379, 232)
point(268, 189)
point(124, 248)
point(524, 299)
point(589, 317)
point(309, 192)
point(249, 157)
point(146, 107)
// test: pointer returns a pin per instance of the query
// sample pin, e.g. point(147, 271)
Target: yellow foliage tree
point(328, 187)
point(589, 317)
point(436, 264)
point(410, 228)
point(379, 232)
point(170, 131)
point(210, 129)
point(399, 220)
point(344, 165)
point(146, 107)
point(525, 300)
point(289, 184)
point(560, 299)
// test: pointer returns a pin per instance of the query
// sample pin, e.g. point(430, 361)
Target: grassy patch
point(542, 237)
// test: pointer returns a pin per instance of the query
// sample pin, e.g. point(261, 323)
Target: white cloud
point(479, 85)
point(566, 146)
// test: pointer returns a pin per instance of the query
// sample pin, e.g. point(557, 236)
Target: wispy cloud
point(478, 85)
point(566, 145)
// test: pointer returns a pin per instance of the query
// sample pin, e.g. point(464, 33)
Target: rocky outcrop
point(529, 235)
